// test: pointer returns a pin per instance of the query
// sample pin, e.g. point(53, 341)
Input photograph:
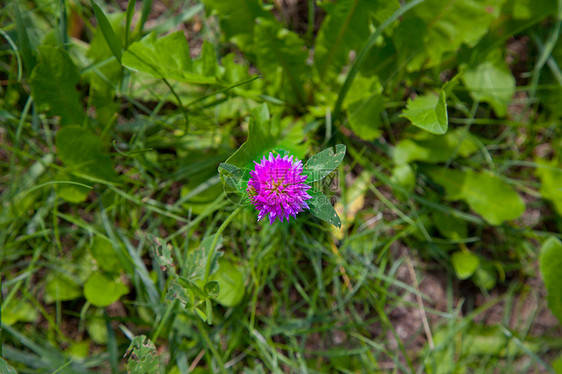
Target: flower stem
point(216, 239)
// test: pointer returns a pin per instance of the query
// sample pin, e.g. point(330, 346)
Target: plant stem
point(216, 239)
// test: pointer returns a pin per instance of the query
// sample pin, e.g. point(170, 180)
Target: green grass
point(381, 294)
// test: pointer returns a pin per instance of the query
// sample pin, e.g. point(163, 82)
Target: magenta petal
point(276, 187)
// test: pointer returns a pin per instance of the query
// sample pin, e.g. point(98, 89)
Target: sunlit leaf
point(465, 264)
point(102, 289)
point(428, 112)
point(491, 81)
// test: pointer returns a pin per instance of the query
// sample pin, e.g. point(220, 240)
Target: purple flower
point(276, 187)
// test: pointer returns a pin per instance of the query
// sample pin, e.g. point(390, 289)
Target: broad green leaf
point(550, 175)
point(321, 207)
point(491, 81)
point(72, 193)
point(97, 329)
point(102, 289)
point(104, 254)
point(79, 350)
point(485, 193)
point(485, 277)
point(404, 176)
point(266, 134)
point(347, 27)
point(207, 64)
point(142, 356)
point(428, 112)
point(435, 148)
point(465, 264)
point(231, 282)
point(80, 151)
point(18, 310)
point(212, 289)
point(449, 226)
point(197, 259)
point(365, 116)
point(166, 57)
point(61, 287)
point(53, 85)
point(550, 262)
point(108, 33)
point(437, 27)
point(238, 19)
point(281, 57)
point(177, 292)
point(323, 163)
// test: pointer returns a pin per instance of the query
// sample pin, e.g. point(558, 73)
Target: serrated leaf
point(162, 253)
point(446, 26)
point(321, 207)
point(197, 259)
point(281, 57)
point(108, 33)
point(487, 194)
point(550, 261)
point(346, 28)
point(428, 112)
point(237, 19)
point(102, 289)
point(53, 85)
point(80, 151)
point(212, 289)
point(465, 264)
point(166, 57)
point(142, 356)
point(491, 81)
point(177, 292)
point(323, 163)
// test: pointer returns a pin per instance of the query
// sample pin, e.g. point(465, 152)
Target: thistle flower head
point(277, 187)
